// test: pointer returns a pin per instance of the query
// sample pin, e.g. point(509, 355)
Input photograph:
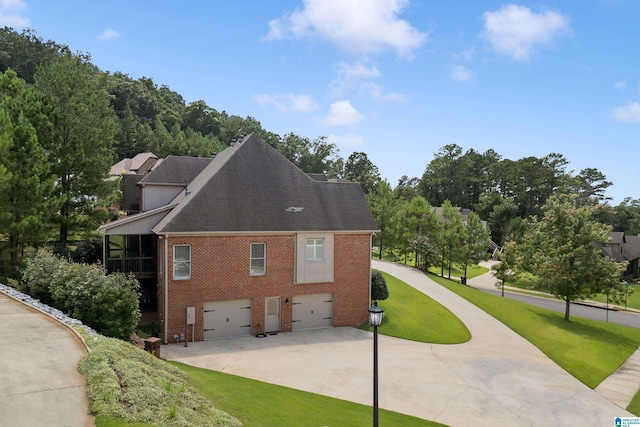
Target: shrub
point(108, 304)
point(379, 290)
point(38, 274)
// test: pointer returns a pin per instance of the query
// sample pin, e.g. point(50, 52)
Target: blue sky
point(396, 79)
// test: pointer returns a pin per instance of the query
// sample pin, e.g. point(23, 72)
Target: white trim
point(189, 262)
point(263, 233)
point(263, 258)
point(166, 288)
point(134, 218)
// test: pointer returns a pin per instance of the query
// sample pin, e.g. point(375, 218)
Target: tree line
point(64, 122)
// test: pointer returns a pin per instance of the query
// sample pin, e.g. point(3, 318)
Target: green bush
point(108, 304)
point(38, 274)
point(379, 290)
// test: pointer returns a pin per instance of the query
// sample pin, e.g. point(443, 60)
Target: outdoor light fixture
point(376, 314)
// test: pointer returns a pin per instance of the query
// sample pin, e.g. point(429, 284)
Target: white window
point(182, 262)
point(258, 259)
point(315, 249)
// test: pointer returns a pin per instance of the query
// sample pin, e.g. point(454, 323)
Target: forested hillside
point(64, 122)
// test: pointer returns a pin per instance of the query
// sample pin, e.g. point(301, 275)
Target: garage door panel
point(227, 318)
point(312, 311)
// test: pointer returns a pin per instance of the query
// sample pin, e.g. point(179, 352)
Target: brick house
point(245, 243)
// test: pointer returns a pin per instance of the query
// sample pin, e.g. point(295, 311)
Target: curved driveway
point(496, 379)
point(39, 382)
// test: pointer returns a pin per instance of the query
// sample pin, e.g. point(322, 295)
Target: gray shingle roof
point(250, 187)
point(176, 170)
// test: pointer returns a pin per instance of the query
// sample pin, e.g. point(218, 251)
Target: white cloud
point(462, 74)
point(349, 76)
point(346, 141)
point(11, 14)
point(109, 34)
point(466, 55)
point(342, 113)
point(376, 92)
point(516, 30)
point(358, 78)
point(620, 85)
point(629, 113)
point(289, 102)
point(357, 26)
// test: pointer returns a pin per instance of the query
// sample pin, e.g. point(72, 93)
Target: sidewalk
point(39, 384)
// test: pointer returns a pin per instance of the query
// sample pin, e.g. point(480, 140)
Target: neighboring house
point(141, 164)
point(246, 243)
point(623, 248)
point(130, 171)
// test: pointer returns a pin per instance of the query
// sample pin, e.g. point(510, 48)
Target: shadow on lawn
point(592, 329)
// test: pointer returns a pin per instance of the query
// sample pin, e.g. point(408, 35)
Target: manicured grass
point(412, 315)
point(590, 350)
point(633, 299)
point(456, 271)
point(472, 271)
point(634, 406)
point(256, 403)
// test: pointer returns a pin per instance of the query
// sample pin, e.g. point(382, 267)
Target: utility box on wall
point(191, 315)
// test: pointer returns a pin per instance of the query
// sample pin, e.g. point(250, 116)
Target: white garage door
point(312, 311)
point(227, 318)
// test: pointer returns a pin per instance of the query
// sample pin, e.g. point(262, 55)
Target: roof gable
point(252, 187)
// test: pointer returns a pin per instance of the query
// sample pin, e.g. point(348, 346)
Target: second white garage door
point(312, 311)
point(227, 318)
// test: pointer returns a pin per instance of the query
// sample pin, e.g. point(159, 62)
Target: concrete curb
point(69, 327)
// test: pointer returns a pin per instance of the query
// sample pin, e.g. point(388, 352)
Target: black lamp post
point(376, 314)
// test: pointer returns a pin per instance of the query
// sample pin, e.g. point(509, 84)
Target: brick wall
point(220, 271)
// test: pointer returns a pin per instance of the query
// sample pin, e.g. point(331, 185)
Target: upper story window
point(315, 249)
point(182, 262)
point(258, 259)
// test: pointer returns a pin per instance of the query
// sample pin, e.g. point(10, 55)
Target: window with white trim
point(181, 262)
point(258, 259)
point(315, 249)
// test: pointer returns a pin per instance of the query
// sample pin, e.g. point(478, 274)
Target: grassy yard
point(588, 349)
point(258, 404)
point(633, 298)
point(407, 311)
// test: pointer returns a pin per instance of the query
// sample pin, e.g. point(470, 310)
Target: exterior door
point(272, 314)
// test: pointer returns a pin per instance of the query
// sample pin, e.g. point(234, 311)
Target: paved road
point(577, 309)
point(486, 283)
point(39, 381)
point(496, 379)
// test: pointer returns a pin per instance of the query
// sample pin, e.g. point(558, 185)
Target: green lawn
point(634, 406)
point(588, 349)
point(472, 271)
point(256, 403)
point(633, 298)
point(407, 312)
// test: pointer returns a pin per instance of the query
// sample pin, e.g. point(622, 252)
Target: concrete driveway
point(39, 382)
point(496, 379)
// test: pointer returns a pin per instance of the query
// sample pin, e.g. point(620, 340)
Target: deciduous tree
point(560, 250)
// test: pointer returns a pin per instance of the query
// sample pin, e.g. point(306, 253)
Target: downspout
point(370, 272)
point(104, 250)
point(166, 288)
